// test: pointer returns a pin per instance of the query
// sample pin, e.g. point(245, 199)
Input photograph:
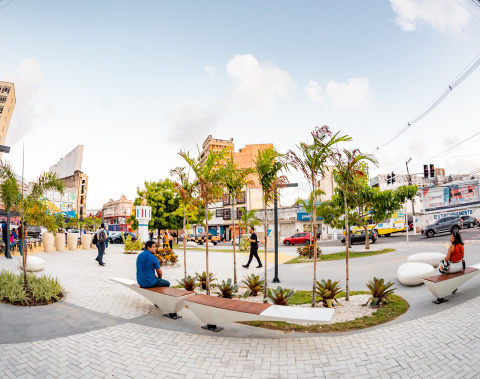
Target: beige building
point(7, 105)
point(327, 184)
point(116, 212)
point(215, 145)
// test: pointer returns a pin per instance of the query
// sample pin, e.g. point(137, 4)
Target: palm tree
point(268, 166)
point(208, 179)
point(10, 194)
point(349, 165)
point(248, 219)
point(312, 162)
point(235, 179)
point(187, 192)
point(309, 204)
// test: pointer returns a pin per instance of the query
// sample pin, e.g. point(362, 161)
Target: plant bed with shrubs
point(41, 290)
point(166, 257)
point(338, 256)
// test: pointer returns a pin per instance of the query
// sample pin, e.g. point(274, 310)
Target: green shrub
point(327, 290)
point(244, 243)
point(202, 278)
point(307, 251)
point(280, 296)
point(188, 283)
point(42, 289)
point(379, 291)
point(131, 247)
point(254, 284)
point(227, 289)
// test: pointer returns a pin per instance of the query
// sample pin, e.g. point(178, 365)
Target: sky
point(135, 82)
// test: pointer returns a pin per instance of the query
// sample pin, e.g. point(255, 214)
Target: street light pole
point(275, 213)
point(6, 149)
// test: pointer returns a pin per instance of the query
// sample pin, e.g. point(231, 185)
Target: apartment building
point(7, 105)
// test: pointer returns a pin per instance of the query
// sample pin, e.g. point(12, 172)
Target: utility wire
point(468, 10)
point(457, 81)
point(11, 1)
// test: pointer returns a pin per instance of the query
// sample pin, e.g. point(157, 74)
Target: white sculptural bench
point(169, 300)
point(445, 284)
point(216, 310)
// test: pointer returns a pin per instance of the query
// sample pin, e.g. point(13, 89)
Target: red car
point(299, 238)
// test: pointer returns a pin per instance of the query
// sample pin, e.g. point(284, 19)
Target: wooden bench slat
point(442, 277)
point(175, 292)
point(230, 304)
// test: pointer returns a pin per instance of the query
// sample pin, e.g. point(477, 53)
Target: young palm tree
point(187, 192)
point(349, 167)
point(268, 166)
point(235, 179)
point(208, 179)
point(312, 162)
point(10, 194)
point(309, 204)
point(248, 219)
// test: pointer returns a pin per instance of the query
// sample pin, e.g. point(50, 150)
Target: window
point(219, 213)
point(3, 99)
point(226, 199)
point(5, 90)
point(241, 199)
point(227, 214)
point(239, 213)
point(1, 110)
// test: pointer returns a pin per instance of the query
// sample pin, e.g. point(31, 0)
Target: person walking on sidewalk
point(253, 249)
point(101, 238)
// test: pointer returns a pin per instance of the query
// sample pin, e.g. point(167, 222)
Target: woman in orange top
point(455, 254)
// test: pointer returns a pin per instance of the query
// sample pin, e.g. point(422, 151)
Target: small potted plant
point(379, 291)
point(48, 239)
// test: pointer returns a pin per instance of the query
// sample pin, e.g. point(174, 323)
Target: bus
point(394, 224)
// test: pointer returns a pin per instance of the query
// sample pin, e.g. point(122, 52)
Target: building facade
point(116, 213)
point(7, 105)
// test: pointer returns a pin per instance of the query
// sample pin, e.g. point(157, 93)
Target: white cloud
point(189, 123)
point(257, 85)
point(442, 15)
point(314, 92)
point(210, 70)
point(33, 109)
point(351, 95)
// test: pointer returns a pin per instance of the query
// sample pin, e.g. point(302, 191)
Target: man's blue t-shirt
point(146, 264)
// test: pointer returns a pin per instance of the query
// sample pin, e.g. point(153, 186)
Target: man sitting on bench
point(147, 265)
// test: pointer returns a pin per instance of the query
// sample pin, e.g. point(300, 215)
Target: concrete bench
point(445, 284)
point(169, 300)
point(216, 310)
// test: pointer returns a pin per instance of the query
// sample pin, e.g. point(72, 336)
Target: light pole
point(413, 200)
point(6, 149)
point(275, 216)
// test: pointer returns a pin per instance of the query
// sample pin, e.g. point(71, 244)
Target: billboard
point(451, 196)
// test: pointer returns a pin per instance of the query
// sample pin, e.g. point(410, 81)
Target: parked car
point(117, 237)
point(448, 224)
point(359, 236)
point(34, 231)
point(469, 221)
point(299, 238)
point(189, 237)
point(200, 238)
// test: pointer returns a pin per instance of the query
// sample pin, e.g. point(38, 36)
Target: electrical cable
point(457, 81)
point(11, 1)
point(468, 10)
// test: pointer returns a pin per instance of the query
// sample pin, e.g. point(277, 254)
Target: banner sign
point(449, 197)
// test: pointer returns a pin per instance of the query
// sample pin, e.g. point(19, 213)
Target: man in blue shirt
point(147, 265)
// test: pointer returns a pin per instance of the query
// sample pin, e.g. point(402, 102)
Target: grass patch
point(338, 256)
point(42, 290)
point(214, 249)
point(395, 307)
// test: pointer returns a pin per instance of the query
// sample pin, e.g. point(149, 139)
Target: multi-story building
point(116, 212)
point(7, 105)
point(215, 145)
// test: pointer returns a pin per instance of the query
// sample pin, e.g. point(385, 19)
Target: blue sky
point(135, 82)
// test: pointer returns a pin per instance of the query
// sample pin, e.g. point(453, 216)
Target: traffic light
point(432, 171)
point(388, 179)
point(393, 177)
point(425, 171)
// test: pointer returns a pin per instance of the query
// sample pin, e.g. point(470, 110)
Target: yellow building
point(7, 105)
point(215, 145)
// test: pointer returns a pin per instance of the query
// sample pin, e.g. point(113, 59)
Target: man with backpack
point(101, 238)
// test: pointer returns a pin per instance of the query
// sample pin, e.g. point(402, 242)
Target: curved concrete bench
point(191, 244)
point(445, 284)
point(33, 263)
point(169, 300)
point(432, 259)
point(411, 274)
point(216, 310)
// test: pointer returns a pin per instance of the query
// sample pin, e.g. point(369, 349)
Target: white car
point(237, 239)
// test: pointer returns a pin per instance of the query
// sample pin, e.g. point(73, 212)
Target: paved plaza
point(102, 329)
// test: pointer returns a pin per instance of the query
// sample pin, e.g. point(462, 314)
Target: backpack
point(95, 240)
point(102, 236)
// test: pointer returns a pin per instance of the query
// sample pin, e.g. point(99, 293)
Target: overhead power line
point(457, 81)
point(11, 1)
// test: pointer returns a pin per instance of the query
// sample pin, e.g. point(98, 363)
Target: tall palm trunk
point(347, 241)
point(184, 241)
point(265, 291)
point(234, 255)
point(314, 216)
point(207, 280)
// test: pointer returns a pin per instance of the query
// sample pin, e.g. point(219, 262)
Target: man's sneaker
point(246, 266)
point(260, 266)
point(102, 264)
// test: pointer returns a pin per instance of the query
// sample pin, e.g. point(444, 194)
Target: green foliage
point(227, 289)
point(244, 243)
point(74, 222)
point(60, 224)
point(254, 284)
point(308, 251)
point(328, 290)
point(248, 219)
point(202, 278)
point(131, 247)
point(280, 296)
point(43, 289)
point(379, 291)
point(189, 283)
